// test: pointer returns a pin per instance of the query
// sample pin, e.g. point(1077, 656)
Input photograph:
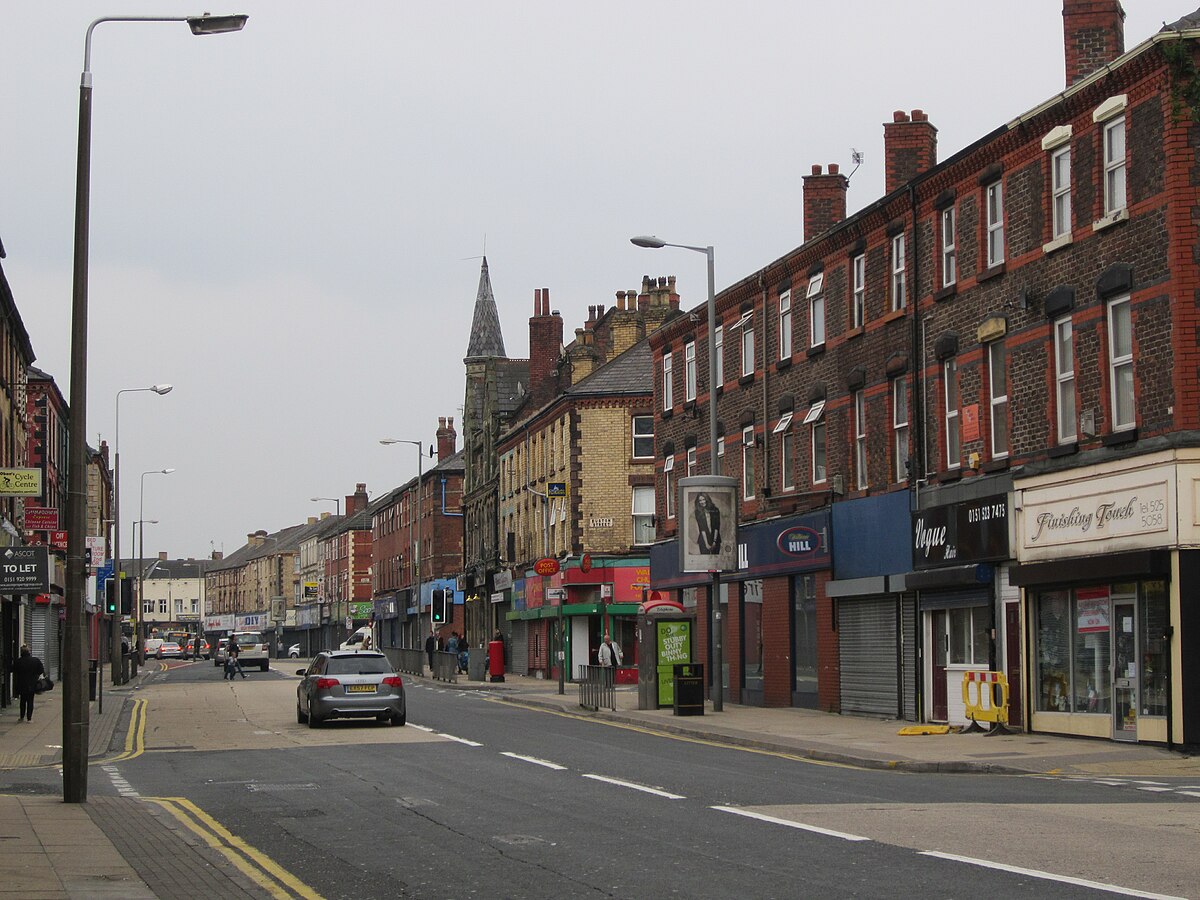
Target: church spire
point(486, 337)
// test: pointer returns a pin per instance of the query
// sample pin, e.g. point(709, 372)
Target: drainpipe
point(916, 462)
point(766, 475)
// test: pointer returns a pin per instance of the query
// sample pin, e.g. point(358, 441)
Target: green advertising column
point(674, 642)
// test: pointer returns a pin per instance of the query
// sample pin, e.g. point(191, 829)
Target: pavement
point(116, 846)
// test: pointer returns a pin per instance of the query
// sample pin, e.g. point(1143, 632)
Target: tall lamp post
point(331, 500)
point(139, 623)
point(75, 699)
point(420, 510)
point(716, 626)
point(115, 649)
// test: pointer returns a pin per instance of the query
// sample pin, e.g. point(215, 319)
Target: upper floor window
point(643, 437)
point(691, 461)
point(818, 451)
point(899, 287)
point(787, 467)
point(816, 309)
point(995, 223)
point(1064, 376)
point(689, 371)
point(643, 515)
point(719, 338)
point(998, 398)
point(858, 290)
point(1060, 188)
point(1114, 165)
point(748, 462)
point(900, 429)
point(1120, 363)
point(669, 485)
point(950, 394)
point(785, 325)
point(747, 345)
point(860, 439)
point(668, 388)
point(949, 248)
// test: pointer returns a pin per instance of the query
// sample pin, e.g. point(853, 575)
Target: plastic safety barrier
point(985, 698)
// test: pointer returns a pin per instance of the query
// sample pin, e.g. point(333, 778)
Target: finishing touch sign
point(24, 570)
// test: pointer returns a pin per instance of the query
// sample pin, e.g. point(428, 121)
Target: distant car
point(253, 650)
point(294, 651)
point(341, 684)
point(151, 646)
point(360, 640)
point(168, 650)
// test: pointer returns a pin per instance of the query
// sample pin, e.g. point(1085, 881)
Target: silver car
point(349, 684)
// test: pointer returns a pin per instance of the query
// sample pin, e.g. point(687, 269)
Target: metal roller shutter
point(518, 646)
point(53, 667)
point(911, 677)
point(867, 639)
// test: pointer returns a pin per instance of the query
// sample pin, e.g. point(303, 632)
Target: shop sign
point(546, 566)
point(20, 482)
point(24, 570)
point(1130, 512)
point(218, 623)
point(362, 610)
point(961, 533)
point(502, 580)
point(559, 594)
point(310, 590)
point(41, 518)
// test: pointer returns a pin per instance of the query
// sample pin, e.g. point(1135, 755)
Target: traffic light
point(110, 597)
point(127, 597)
point(438, 606)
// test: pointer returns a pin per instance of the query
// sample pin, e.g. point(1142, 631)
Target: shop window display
point(1054, 651)
point(1154, 620)
point(752, 645)
point(1092, 651)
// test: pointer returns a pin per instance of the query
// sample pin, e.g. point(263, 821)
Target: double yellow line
point(135, 738)
point(255, 865)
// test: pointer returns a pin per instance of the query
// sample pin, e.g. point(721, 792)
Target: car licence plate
point(360, 689)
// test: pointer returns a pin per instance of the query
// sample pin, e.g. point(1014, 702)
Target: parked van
point(355, 641)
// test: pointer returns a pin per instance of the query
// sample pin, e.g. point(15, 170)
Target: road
point(480, 797)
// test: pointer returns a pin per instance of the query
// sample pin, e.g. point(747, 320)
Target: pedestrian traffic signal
point(438, 606)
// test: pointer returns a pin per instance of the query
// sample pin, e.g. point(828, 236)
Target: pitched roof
point(630, 373)
point(486, 337)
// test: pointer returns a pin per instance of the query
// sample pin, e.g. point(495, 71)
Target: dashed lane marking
point(534, 760)
point(646, 789)
point(774, 820)
point(451, 737)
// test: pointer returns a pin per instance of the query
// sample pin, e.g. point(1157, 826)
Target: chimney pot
point(816, 170)
point(545, 301)
point(899, 116)
point(909, 147)
point(834, 168)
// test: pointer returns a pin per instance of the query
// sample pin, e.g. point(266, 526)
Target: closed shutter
point(52, 657)
point(910, 680)
point(867, 639)
point(519, 646)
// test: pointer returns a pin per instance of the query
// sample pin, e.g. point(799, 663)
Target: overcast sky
point(286, 222)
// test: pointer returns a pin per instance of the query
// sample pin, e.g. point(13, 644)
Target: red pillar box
point(496, 660)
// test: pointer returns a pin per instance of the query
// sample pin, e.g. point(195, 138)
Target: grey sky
point(284, 220)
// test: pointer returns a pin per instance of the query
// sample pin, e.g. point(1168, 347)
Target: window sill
point(666, 414)
point(1117, 438)
point(1113, 218)
point(746, 379)
point(1063, 240)
point(782, 364)
point(945, 293)
point(1063, 450)
point(994, 272)
point(995, 465)
point(816, 351)
point(856, 332)
point(895, 314)
point(689, 405)
point(950, 475)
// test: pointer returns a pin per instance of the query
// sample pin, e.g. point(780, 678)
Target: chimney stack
point(824, 200)
point(447, 438)
point(909, 147)
point(545, 341)
point(1093, 34)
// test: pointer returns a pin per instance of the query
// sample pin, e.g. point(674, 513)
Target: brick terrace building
point(975, 399)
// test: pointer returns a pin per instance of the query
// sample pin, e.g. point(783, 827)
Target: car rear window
point(245, 640)
point(358, 665)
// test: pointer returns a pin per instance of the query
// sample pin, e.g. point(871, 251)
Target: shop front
point(959, 555)
point(1107, 605)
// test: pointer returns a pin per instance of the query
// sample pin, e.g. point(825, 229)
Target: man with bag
point(28, 673)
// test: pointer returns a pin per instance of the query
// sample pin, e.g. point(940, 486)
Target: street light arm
point(200, 25)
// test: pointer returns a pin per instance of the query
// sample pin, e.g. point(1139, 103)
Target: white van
point(355, 641)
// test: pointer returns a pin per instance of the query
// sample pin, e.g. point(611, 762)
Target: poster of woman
point(708, 530)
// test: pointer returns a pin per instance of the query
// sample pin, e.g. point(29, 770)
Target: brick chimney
point(910, 148)
point(357, 501)
point(447, 438)
point(1093, 34)
point(824, 200)
point(545, 342)
point(162, 555)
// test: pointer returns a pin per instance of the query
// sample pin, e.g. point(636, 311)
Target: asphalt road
point(480, 798)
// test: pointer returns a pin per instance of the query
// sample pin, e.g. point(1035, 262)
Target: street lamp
point(331, 500)
point(420, 461)
point(75, 708)
point(139, 624)
point(115, 632)
point(716, 627)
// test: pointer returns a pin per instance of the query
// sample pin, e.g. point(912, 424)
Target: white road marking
point(1155, 790)
point(451, 737)
point(637, 787)
point(749, 814)
point(1190, 793)
point(1048, 876)
point(534, 760)
point(425, 728)
point(1135, 781)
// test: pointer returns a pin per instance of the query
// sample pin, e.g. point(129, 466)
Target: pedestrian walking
point(610, 653)
point(233, 665)
point(27, 672)
point(452, 644)
point(430, 646)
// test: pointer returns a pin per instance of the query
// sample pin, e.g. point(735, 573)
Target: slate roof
point(630, 373)
point(512, 385)
point(486, 337)
point(1191, 20)
point(172, 568)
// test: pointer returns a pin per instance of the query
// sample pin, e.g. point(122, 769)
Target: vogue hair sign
point(707, 524)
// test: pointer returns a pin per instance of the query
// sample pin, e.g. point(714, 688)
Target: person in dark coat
point(430, 646)
point(26, 672)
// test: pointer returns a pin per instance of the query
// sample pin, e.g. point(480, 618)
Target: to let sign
point(24, 570)
point(41, 518)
